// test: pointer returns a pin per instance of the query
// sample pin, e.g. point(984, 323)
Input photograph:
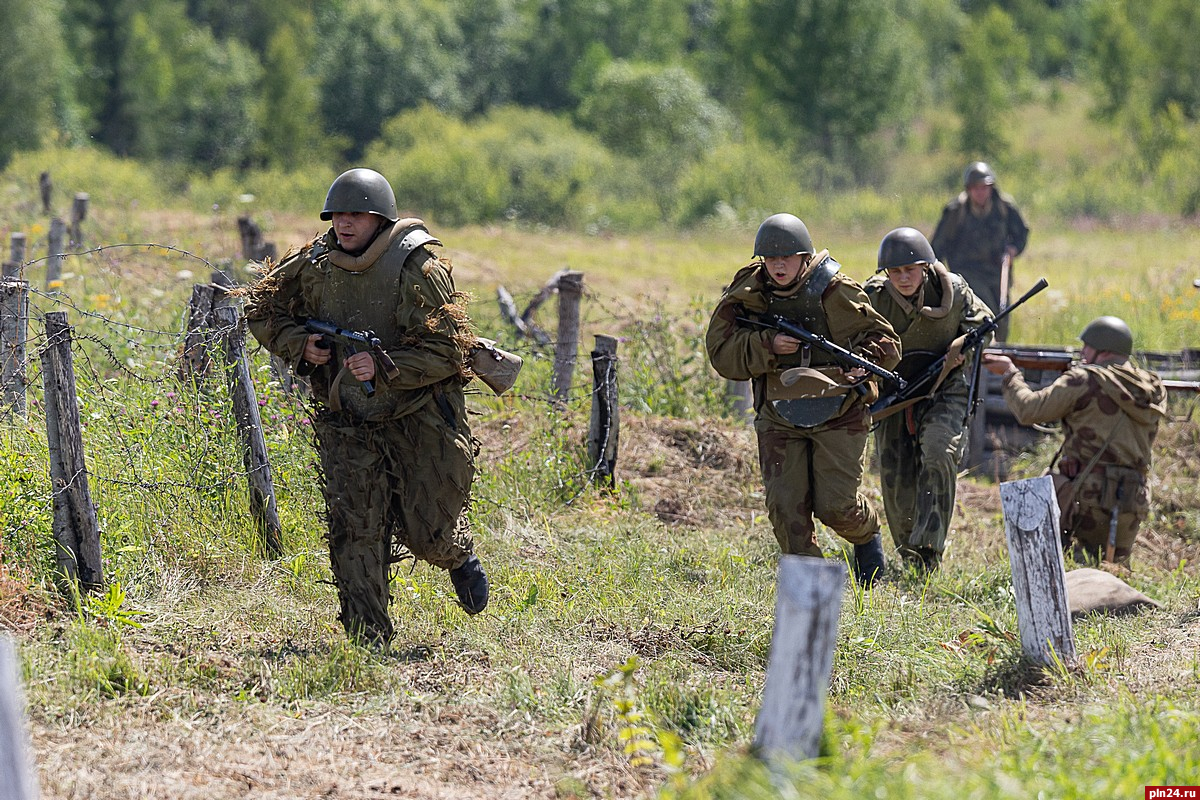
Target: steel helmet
point(904, 246)
point(782, 235)
point(361, 190)
point(1108, 333)
point(978, 172)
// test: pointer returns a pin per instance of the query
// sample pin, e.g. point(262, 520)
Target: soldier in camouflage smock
point(1110, 411)
point(979, 233)
point(811, 415)
point(397, 465)
point(921, 443)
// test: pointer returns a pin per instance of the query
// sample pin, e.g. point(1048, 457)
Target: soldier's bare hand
point(361, 366)
point(314, 353)
point(783, 345)
point(998, 364)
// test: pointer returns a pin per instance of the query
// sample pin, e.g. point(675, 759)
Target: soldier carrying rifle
point(921, 442)
point(810, 402)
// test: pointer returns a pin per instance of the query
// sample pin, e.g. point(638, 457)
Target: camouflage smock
point(920, 446)
point(1110, 413)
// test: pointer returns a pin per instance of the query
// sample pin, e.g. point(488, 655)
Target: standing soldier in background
point(1110, 412)
point(397, 456)
point(980, 233)
point(921, 443)
point(811, 415)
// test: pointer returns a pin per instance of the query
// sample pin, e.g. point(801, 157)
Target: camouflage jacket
point(405, 295)
point(1117, 403)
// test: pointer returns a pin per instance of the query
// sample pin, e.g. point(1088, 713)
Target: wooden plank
point(807, 604)
point(1031, 526)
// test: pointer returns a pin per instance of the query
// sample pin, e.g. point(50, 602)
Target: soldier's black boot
point(471, 585)
point(868, 562)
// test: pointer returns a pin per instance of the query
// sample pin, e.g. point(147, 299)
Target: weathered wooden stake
point(570, 291)
point(807, 603)
point(79, 212)
point(249, 424)
point(741, 398)
point(47, 189)
point(1031, 524)
point(55, 249)
point(13, 267)
point(195, 362)
point(76, 529)
point(17, 778)
point(605, 427)
point(14, 327)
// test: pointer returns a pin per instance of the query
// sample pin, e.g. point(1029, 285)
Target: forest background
point(620, 115)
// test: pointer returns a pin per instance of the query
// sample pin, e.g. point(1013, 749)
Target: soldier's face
point(354, 229)
point(1088, 355)
point(784, 269)
point(907, 279)
point(979, 192)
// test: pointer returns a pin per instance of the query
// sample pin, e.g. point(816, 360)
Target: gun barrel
point(815, 339)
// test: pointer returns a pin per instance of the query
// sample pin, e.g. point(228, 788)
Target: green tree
point(291, 121)
point(833, 72)
point(30, 73)
point(992, 74)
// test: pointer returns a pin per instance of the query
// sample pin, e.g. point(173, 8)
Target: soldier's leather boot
point(471, 585)
point(868, 562)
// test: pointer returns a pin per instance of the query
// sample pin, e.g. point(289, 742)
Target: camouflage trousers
point(919, 472)
point(389, 487)
point(814, 472)
point(1087, 505)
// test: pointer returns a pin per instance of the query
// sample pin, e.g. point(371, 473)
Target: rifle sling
point(952, 354)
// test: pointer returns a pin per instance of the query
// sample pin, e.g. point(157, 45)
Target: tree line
point(651, 86)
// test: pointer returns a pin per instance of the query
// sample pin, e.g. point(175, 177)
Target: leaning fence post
point(17, 779)
point(14, 326)
point(570, 290)
point(46, 187)
point(1031, 525)
point(76, 529)
point(605, 427)
point(249, 424)
point(58, 230)
point(807, 604)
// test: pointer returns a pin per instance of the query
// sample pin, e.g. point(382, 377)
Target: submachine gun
point(351, 342)
point(922, 386)
point(849, 359)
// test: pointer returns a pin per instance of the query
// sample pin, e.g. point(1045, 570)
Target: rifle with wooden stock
point(923, 385)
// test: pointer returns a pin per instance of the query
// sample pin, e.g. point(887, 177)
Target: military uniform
point(811, 431)
point(397, 466)
point(920, 445)
point(1110, 415)
point(972, 242)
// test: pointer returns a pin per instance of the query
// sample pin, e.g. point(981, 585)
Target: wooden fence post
point(249, 424)
point(46, 186)
point(54, 246)
point(14, 327)
point(570, 291)
point(807, 604)
point(79, 212)
point(1031, 524)
point(741, 398)
point(17, 779)
point(76, 529)
point(195, 361)
point(14, 265)
point(605, 427)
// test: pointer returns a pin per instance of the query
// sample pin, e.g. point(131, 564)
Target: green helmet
point(978, 172)
point(1108, 333)
point(361, 190)
point(904, 246)
point(782, 235)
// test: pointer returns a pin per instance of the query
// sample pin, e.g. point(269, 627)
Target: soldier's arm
point(273, 305)
point(854, 322)
point(1018, 231)
point(434, 325)
point(736, 350)
point(1049, 404)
